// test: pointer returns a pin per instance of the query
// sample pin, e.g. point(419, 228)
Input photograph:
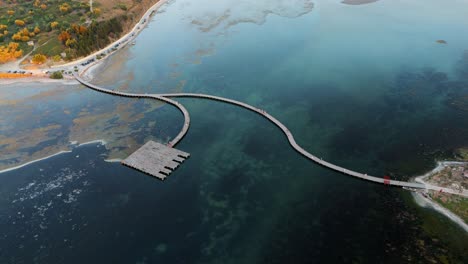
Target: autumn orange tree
point(96, 11)
point(10, 52)
point(19, 23)
point(23, 35)
point(64, 8)
point(64, 36)
point(16, 37)
point(79, 29)
point(83, 30)
point(54, 24)
point(39, 59)
point(24, 32)
point(75, 28)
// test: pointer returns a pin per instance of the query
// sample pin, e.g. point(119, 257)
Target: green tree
point(56, 75)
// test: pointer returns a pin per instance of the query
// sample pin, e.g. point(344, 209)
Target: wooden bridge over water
point(290, 137)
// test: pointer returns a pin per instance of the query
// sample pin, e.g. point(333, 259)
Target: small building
point(30, 43)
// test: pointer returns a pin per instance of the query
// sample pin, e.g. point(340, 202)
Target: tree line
point(83, 41)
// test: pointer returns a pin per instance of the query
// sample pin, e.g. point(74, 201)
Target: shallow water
point(367, 87)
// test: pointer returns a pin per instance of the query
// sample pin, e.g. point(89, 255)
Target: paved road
point(120, 43)
point(290, 137)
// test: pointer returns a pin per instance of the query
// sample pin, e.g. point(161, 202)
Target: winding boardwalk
point(179, 106)
point(290, 137)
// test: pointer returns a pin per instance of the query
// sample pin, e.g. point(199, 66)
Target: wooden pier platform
point(143, 162)
point(156, 159)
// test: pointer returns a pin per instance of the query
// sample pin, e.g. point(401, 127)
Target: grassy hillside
point(63, 29)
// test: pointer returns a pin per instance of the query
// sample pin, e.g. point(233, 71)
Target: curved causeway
point(179, 106)
point(290, 137)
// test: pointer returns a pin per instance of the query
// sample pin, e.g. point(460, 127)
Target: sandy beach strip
point(358, 2)
point(423, 201)
point(34, 161)
point(125, 39)
point(113, 160)
point(97, 141)
point(93, 69)
point(72, 145)
point(428, 203)
point(36, 79)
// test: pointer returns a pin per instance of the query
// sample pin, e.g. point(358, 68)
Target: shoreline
point(96, 141)
point(124, 40)
point(72, 145)
point(90, 69)
point(93, 69)
point(426, 202)
point(121, 42)
point(34, 79)
point(113, 160)
point(34, 161)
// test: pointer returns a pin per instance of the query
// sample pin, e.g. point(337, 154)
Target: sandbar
point(358, 2)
